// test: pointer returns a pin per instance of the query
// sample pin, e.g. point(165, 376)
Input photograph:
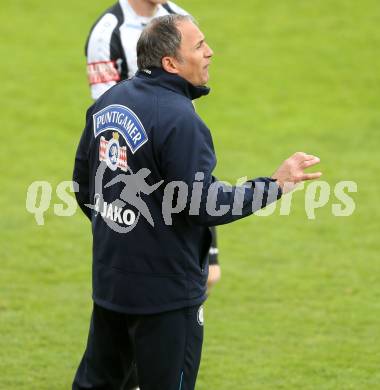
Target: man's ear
point(169, 64)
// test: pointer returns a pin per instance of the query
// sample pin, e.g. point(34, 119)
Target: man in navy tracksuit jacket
point(144, 168)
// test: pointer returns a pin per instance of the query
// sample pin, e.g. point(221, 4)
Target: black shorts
point(214, 251)
point(164, 349)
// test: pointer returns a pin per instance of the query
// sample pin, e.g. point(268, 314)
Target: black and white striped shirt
point(111, 44)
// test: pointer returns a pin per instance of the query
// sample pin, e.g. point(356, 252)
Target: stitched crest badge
point(123, 120)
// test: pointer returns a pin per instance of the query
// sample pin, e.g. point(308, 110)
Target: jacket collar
point(173, 82)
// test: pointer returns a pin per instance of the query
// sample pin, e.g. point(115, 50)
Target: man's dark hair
point(159, 39)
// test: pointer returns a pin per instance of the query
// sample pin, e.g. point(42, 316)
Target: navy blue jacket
point(145, 264)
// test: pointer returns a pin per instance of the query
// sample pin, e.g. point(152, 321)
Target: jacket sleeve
point(102, 70)
point(81, 174)
point(187, 155)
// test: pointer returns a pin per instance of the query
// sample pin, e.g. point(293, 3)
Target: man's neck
point(143, 7)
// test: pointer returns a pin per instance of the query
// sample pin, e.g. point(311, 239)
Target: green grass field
point(298, 306)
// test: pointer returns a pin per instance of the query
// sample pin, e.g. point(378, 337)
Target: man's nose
point(209, 52)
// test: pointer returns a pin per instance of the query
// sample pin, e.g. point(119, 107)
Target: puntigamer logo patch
point(125, 121)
